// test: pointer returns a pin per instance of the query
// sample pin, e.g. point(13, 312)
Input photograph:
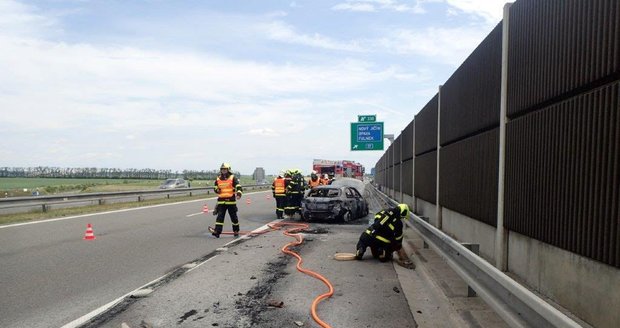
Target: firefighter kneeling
point(385, 236)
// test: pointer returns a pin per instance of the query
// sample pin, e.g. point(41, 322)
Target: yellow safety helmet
point(404, 211)
point(225, 166)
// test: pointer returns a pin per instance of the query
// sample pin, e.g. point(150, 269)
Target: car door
point(352, 202)
point(361, 202)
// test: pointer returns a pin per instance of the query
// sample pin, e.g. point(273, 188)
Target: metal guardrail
point(518, 306)
point(44, 202)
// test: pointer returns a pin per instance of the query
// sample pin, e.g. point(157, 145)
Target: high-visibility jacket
point(278, 187)
point(387, 227)
point(314, 183)
point(226, 187)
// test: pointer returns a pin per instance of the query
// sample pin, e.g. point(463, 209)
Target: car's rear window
point(324, 192)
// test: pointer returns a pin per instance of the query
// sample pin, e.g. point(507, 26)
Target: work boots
point(359, 254)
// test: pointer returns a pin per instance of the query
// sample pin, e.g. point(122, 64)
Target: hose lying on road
point(294, 231)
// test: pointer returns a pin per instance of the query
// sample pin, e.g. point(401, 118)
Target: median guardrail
point(44, 203)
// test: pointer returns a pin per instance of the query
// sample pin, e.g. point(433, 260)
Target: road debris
point(141, 293)
point(275, 303)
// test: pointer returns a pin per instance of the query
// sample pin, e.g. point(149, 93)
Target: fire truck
point(339, 169)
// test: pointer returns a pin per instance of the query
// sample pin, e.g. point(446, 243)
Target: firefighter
point(229, 189)
point(289, 210)
point(385, 236)
point(314, 180)
point(325, 180)
point(295, 193)
point(278, 189)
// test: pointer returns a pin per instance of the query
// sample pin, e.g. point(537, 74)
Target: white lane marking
point(266, 226)
point(190, 215)
point(108, 212)
point(87, 317)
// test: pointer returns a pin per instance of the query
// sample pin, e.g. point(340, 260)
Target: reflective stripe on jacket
point(387, 227)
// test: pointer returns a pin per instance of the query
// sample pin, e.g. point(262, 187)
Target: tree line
point(104, 173)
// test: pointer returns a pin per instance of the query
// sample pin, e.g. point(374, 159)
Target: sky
point(187, 85)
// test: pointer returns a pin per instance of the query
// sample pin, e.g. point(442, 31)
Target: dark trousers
point(280, 204)
point(221, 213)
point(291, 206)
point(296, 202)
point(380, 250)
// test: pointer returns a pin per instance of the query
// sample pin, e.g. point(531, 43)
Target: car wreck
point(340, 204)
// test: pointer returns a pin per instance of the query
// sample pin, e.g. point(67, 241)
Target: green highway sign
point(366, 118)
point(367, 136)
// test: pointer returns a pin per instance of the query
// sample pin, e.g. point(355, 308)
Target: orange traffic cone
point(205, 209)
point(89, 235)
point(248, 201)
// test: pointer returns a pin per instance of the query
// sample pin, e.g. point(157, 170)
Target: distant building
point(259, 175)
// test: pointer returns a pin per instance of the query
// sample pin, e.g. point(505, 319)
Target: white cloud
point(19, 19)
point(490, 10)
point(446, 45)
point(364, 7)
point(283, 32)
point(266, 132)
point(443, 45)
point(379, 5)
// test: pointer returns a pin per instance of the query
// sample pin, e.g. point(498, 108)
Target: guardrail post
point(168, 196)
point(101, 201)
point(44, 208)
point(474, 248)
point(425, 219)
point(190, 194)
point(139, 198)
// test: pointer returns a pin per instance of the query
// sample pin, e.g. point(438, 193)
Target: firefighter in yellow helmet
point(294, 193)
point(385, 236)
point(229, 189)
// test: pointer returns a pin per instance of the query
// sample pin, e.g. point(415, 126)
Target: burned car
point(341, 204)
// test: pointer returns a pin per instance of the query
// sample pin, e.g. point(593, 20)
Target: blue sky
point(189, 84)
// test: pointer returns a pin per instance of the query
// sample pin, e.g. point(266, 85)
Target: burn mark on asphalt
point(255, 301)
point(186, 316)
point(123, 305)
point(316, 231)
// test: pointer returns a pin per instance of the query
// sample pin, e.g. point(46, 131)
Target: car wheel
point(347, 217)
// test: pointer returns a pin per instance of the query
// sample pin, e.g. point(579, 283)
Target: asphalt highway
point(49, 275)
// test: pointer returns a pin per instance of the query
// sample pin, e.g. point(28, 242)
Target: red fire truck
point(338, 169)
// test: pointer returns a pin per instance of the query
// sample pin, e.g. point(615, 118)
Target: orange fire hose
point(294, 232)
